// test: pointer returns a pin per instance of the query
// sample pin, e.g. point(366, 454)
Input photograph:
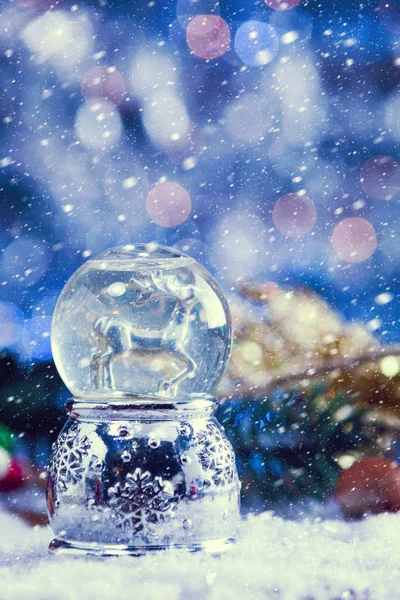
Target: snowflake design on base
point(216, 455)
point(66, 463)
point(143, 502)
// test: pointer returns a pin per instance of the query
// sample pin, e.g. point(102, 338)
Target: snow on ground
point(312, 558)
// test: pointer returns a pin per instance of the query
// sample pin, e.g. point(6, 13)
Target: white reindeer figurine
point(118, 338)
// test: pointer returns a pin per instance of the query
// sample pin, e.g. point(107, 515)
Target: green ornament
point(7, 440)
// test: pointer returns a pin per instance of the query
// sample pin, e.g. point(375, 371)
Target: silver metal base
point(61, 547)
point(128, 478)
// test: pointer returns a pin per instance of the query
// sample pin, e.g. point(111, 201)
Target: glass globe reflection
point(141, 319)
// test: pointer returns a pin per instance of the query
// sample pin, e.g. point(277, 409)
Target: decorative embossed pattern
point(142, 502)
point(216, 456)
point(66, 463)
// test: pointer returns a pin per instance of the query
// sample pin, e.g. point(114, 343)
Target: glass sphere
point(141, 319)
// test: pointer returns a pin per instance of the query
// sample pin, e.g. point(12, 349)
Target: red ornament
point(14, 478)
point(370, 485)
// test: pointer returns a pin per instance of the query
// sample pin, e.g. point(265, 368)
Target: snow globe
point(141, 334)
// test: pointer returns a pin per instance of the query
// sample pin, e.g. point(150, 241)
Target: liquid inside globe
point(141, 320)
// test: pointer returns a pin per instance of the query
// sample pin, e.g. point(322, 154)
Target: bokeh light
point(251, 117)
point(208, 36)
point(195, 248)
point(168, 204)
point(390, 366)
point(98, 125)
point(24, 261)
point(389, 15)
point(282, 4)
point(60, 38)
point(45, 302)
point(152, 72)
point(166, 119)
point(103, 82)
point(125, 186)
point(292, 26)
point(380, 177)
point(392, 121)
point(11, 320)
point(256, 43)
point(303, 108)
point(354, 239)
point(240, 245)
point(36, 338)
point(294, 215)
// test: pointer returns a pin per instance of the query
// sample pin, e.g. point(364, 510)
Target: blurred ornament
point(208, 36)
point(294, 215)
point(370, 485)
point(11, 471)
point(13, 477)
point(7, 441)
point(354, 239)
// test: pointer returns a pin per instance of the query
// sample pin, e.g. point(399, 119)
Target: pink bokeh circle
point(168, 204)
point(294, 215)
point(208, 36)
point(354, 239)
point(103, 82)
point(282, 4)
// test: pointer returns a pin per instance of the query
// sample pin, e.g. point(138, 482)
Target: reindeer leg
point(187, 371)
point(100, 369)
point(107, 378)
point(97, 369)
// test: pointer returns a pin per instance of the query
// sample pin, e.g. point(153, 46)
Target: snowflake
point(142, 502)
point(67, 458)
point(216, 455)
